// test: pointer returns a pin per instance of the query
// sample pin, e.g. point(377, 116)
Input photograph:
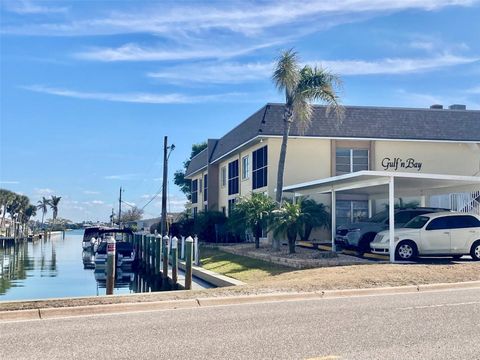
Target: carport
point(395, 184)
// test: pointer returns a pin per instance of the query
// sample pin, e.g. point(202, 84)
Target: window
point(233, 177)
point(464, 221)
point(195, 212)
point(205, 187)
point(200, 186)
point(223, 176)
point(403, 217)
point(351, 160)
point(351, 211)
point(245, 167)
point(260, 163)
point(231, 206)
point(194, 191)
point(440, 223)
point(417, 222)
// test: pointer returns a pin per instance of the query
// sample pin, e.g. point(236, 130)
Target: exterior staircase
point(466, 202)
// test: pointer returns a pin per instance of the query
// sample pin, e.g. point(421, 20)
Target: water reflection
point(58, 267)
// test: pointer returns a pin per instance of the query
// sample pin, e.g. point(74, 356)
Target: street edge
point(51, 313)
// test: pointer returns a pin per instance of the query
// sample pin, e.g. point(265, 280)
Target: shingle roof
point(358, 122)
point(198, 162)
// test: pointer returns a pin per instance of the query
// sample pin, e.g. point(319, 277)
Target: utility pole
point(164, 188)
point(166, 155)
point(120, 209)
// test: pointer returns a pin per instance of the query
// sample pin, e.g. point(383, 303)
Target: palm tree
point(6, 197)
point(253, 213)
point(30, 212)
point(315, 215)
point(54, 206)
point(43, 206)
point(302, 86)
point(287, 220)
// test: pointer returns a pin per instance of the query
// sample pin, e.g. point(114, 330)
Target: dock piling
point(174, 261)
point(165, 258)
point(111, 249)
point(188, 262)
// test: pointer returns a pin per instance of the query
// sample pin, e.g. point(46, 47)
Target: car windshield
point(417, 222)
point(380, 217)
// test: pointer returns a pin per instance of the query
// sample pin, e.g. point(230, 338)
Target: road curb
point(51, 313)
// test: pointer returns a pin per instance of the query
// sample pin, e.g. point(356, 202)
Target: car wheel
point(475, 250)
point(406, 250)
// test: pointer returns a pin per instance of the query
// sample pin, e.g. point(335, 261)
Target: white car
point(442, 234)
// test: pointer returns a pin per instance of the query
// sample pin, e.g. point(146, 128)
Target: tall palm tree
point(6, 198)
point(30, 212)
point(54, 206)
point(43, 206)
point(302, 86)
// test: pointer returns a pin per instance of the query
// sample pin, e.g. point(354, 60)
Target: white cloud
point(9, 182)
point(145, 98)
point(396, 65)
point(134, 52)
point(180, 19)
point(228, 72)
point(424, 100)
point(216, 73)
point(25, 7)
point(44, 191)
point(91, 192)
point(98, 202)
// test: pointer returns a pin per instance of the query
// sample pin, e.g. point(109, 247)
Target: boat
point(125, 252)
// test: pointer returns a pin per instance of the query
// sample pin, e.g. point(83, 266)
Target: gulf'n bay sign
point(399, 163)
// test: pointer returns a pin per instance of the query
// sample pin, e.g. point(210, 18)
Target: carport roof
point(375, 182)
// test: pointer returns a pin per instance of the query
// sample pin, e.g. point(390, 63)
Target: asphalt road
point(430, 325)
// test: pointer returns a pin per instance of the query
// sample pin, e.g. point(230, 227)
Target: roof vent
point(436, 106)
point(457, 107)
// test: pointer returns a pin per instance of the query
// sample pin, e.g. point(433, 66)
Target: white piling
point(197, 257)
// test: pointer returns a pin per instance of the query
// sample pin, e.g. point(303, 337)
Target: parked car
point(358, 236)
point(441, 234)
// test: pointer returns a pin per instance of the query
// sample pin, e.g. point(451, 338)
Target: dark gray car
point(359, 235)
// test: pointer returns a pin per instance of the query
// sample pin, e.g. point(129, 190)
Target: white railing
point(466, 202)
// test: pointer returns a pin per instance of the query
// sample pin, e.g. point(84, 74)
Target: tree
point(253, 212)
point(6, 197)
point(54, 201)
point(133, 214)
point(179, 175)
point(315, 215)
point(287, 220)
point(302, 86)
point(43, 206)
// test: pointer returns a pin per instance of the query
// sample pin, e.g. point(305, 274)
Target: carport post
point(391, 218)
point(334, 219)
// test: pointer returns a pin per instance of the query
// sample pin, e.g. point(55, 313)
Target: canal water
point(58, 267)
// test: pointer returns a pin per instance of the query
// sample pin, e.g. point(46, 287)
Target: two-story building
point(245, 160)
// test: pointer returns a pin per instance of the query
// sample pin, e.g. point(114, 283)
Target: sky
point(89, 88)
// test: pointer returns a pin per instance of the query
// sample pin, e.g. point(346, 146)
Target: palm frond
point(302, 112)
point(319, 84)
point(286, 74)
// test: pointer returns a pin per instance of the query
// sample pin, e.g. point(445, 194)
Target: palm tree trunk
point(287, 123)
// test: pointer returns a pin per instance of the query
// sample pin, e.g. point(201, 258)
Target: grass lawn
point(239, 267)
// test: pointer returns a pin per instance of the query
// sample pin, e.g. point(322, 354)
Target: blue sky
point(89, 88)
